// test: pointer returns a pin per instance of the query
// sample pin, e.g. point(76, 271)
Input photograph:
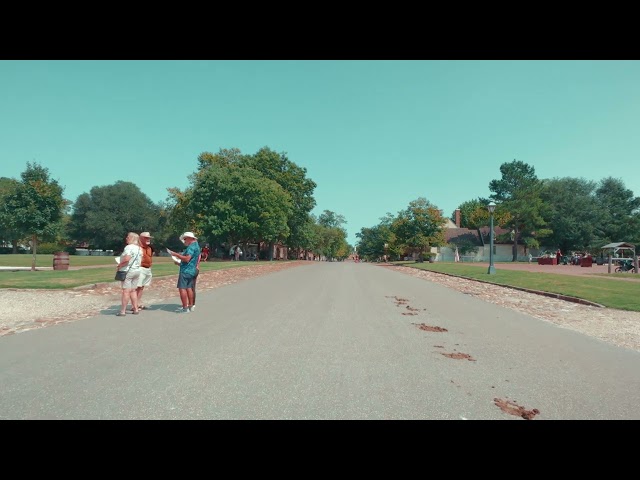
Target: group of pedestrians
point(136, 260)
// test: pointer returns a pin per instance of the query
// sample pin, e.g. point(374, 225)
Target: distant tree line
point(572, 214)
point(232, 199)
point(266, 198)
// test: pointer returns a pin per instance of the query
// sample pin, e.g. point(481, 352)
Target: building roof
point(453, 234)
point(477, 237)
point(620, 246)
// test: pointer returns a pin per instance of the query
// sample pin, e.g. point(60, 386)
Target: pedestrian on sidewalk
point(144, 280)
point(130, 263)
point(188, 270)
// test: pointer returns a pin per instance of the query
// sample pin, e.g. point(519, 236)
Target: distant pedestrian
point(188, 270)
point(530, 257)
point(558, 256)
point(205, 253)
point(237, 253)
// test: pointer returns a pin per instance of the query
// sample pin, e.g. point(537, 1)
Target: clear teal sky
point(373, 135)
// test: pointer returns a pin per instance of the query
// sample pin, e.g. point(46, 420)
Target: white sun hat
point(187, 234)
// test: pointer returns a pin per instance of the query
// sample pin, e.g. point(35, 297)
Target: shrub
point(50, 248)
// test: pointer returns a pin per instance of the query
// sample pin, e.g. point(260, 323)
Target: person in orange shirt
point(204, 256)
point(145, 266)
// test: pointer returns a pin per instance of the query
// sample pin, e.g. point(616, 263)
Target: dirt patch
point(459, 356)
point(512, 408)
point(429, 328)
point(399, 301)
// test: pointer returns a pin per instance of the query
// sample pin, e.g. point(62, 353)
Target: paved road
point(321, 341)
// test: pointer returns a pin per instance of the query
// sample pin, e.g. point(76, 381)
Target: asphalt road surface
point(320, 341)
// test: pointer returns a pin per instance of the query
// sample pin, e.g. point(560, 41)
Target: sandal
point(121, 314)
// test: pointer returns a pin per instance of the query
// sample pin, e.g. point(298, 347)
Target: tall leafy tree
point(575, 214)
point(8, 231)
point(225, 157)
point(419, 226)
point(103, 216)
point(331, 219)
point(308, 235)
point(36, 205)
point(236, 205)
point(518, 193)
point(620, 211)
point(469, 213)
point(372, 241)
point(334, 243)
point(293, 179)
point(333, 236)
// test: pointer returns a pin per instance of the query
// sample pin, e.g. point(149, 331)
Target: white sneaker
point(192, 308)
point(183, 310)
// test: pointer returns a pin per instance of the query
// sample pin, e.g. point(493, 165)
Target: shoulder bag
point(122, 274)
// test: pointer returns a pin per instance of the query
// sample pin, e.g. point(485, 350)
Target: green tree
point(307, 239)
point(419, 226)
point(620, 211)
point(334, 243)
point(293, 179)
point(8, 231)
point(331, 236)
point(278, 168)
point(36, 205)
point(106, 214)
point(236, 205)
point(518, 194)
point(469, 213)
point(372, 240)
point(331, 219)
point(574, 213)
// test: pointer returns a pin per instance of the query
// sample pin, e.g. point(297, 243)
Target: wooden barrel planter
point(61, 261)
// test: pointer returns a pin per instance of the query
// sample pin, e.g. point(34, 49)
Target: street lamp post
point(492, 270)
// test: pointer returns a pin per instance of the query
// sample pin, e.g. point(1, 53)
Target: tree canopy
point(34, 206)
point(518, 193)
point(106, 214)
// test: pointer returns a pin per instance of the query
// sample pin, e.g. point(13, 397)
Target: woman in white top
point(130, 262)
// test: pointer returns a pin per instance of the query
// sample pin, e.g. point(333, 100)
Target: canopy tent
point(614, 247)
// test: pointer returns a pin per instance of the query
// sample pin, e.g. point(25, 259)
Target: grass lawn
point(623, 295)
point(102, 270)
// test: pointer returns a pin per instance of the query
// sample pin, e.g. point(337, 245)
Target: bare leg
point(134, 300)
point(124, 300)
point(139, 291)
point(190, 296)
point(184, 297)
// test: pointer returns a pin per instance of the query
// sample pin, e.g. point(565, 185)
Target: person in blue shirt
point(188, 270)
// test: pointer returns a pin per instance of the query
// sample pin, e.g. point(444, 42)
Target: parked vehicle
point(626, 266)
